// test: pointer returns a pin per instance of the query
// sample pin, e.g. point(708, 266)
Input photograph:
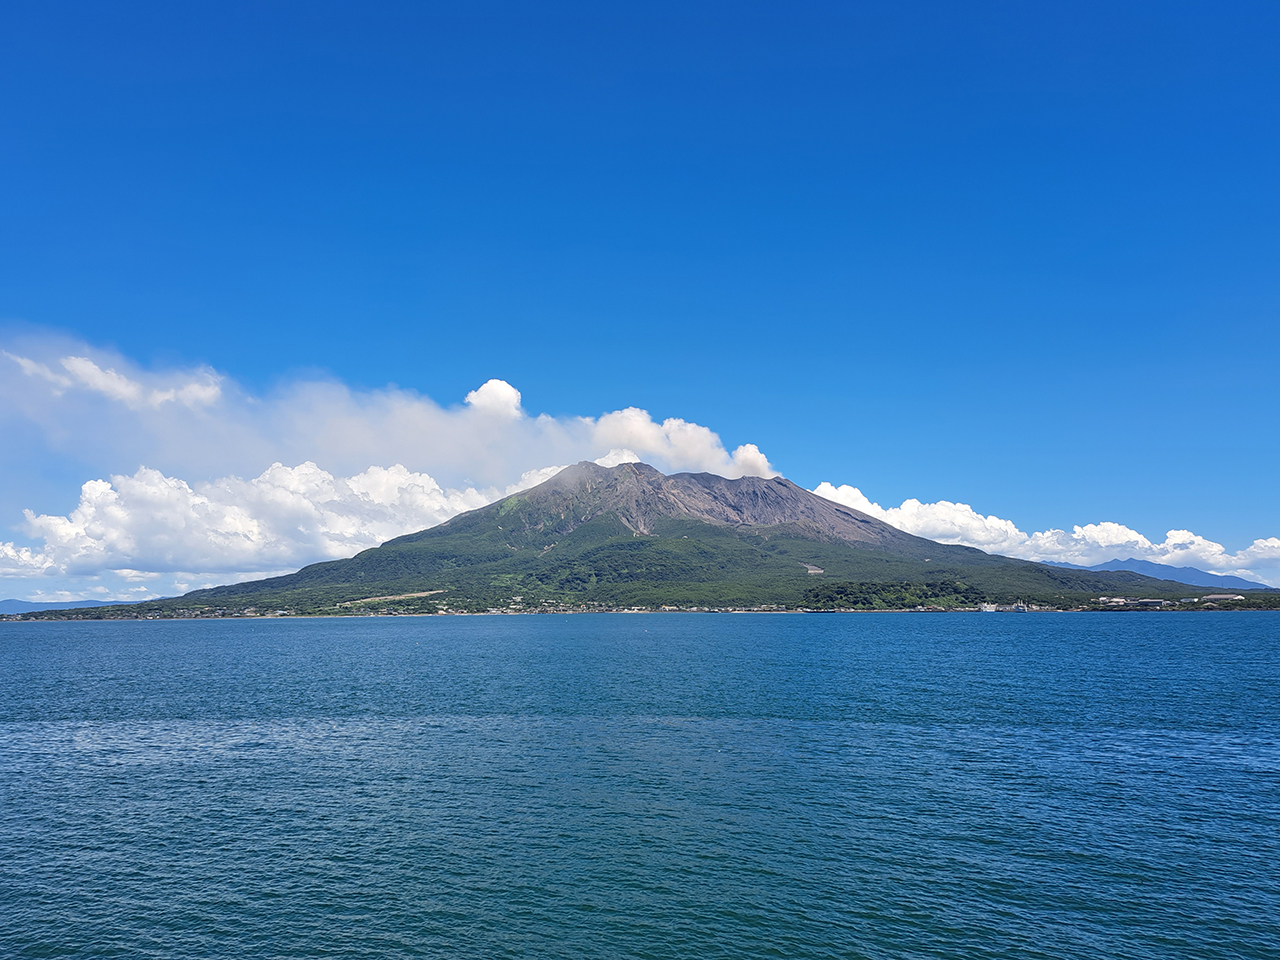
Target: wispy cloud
point(200, 390)
point(38, 370)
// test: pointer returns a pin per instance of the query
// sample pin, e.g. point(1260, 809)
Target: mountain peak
point(627, 535)
point(641, 495)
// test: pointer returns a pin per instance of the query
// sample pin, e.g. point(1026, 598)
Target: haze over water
point(961, 786)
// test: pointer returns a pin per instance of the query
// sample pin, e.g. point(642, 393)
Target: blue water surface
point(647, 786)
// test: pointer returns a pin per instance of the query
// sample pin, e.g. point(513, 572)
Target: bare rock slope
point(640, 496)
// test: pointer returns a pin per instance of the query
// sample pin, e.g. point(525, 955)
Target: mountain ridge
point(1192, 576)
point(638, 493)
point(628, 536)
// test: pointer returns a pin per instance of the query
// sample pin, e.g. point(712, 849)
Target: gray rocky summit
point(640, 496)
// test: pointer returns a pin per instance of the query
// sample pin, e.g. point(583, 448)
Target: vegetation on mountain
point(597, 538)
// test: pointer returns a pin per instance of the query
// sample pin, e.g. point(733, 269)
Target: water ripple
point(880, 787)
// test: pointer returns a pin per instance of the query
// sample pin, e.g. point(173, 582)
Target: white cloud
point(23, 561)
point(142, 525)
point(497, 397)
point(748, 461)
point(107, 414)
point(1085, 545)
point(684, 445)
point(33, 369)
point(198, 423)
point(152, 534)
point(172, 536)
point(101, 414)
point(618, 455)
point(203, 390)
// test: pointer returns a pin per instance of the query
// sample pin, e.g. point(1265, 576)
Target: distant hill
point(1187, 575)
point(594, 537)
point(30, 606)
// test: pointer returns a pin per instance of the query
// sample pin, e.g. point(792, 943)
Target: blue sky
point(1023, 257)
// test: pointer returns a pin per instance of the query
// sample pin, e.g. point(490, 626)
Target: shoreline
point(51, 618)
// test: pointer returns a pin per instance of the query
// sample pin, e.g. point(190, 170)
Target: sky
point(280, 280)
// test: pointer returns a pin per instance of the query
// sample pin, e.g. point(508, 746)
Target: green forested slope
point(685, 563)
point(630, 537)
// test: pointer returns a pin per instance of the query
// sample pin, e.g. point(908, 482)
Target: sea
point(643, 786)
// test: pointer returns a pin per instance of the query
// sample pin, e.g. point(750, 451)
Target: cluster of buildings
point(1121, 603)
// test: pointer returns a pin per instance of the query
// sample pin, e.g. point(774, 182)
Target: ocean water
point(648, 786)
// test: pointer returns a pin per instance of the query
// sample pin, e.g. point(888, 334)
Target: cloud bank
point(959, 523)
point(199, 423)
point(186, 516)
point(150, 524)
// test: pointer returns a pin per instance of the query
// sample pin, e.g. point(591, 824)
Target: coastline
point(53, 617)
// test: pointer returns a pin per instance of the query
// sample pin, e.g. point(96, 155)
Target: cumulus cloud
point(676, 441)
point(497, 397)
point(1085, 545)
point(618, 456)
point(23, 561)
point(149, 523)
